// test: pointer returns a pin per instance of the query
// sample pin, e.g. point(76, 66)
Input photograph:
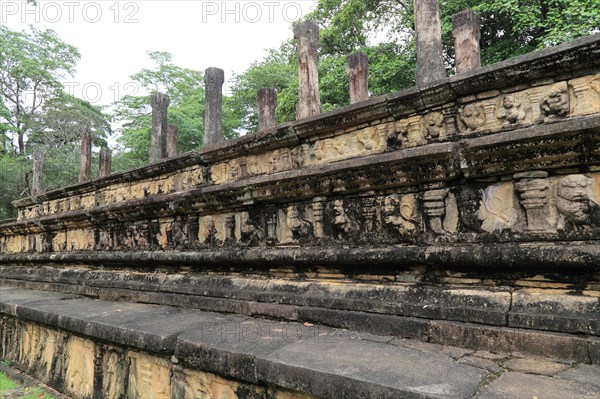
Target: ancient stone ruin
point(403, 246)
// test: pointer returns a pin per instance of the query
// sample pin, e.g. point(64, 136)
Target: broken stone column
point(266, 100)
point(430, 61)
point(306, 34)
point(213, 94)
point(105, 161)
point(357, 68)
point(86, 156)
point(172, 137)
point(466, 32)
point(38, 167)
point(158, 145)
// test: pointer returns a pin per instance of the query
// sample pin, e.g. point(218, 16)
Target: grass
point(20, 392)
point(6, 383)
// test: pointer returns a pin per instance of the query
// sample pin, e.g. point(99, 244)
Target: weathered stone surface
point(149, 377)
point(519, 385)
point(466, 32)
point(357, 68)
point(481, 363)
point(535, 366)
point(583, 373)
point(556, 310)
point(430, 63)
point(105, 162)
point(213, 113)
point(306, 34)
point(266, 101)
point(378, 324)
point(553, 345)
point(85, 167)
point(158, 142)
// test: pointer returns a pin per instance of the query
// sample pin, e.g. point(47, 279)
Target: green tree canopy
point(32, 65)
point(384, 30)
point(185, 88)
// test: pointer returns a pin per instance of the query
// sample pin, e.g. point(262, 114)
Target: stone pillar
point(213, 94)
point(430, 62)
point(86, 156)
point(318, 206)
point(357, 68)
point(435, 208)
point(105, 161)
point(306, 34)
point(266, 100)
point(172, 138)
point(466, 32)
point(158, 145)
point(38, 167)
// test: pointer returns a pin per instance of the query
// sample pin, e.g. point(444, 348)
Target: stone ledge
point(316, 360)
point(584, 255)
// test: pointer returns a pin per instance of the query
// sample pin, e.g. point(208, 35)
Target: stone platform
point(99, 348)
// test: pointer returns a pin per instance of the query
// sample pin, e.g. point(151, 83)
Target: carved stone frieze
point(575, 203)
point(400, 214)
point(585, 95)
point(497, 209)
point(344, 225)
point(297, 223)
point(555, 103)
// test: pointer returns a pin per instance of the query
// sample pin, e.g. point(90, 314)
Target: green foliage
point(64, 119)
point(32, 65)
point(508, 28)
point(185, 88)
point(275, 71)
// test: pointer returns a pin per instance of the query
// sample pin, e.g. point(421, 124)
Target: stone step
point(301, 357)
point(342, 302)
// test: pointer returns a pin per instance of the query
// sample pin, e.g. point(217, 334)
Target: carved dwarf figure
point(342, 222)
point(511, 111)
point(435, 125)
point(555, 104)
point(298, 226)
point(574, 203)
point(472, 116)
point(209, 231)
point(399, 213)
point(249, 231)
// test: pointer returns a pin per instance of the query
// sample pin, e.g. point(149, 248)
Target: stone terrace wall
point(471, 170)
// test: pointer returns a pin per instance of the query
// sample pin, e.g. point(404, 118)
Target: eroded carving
point(574, 202)
point(533, 191)
point(343, 224)
point(472, 117)
point(250, 232)
point(298, 225)
point(497, 209)
point(585, 95)
point(513, 109)
point(209, 232)
point(441, 211)
point(555, 104)
point(400, 214)
point(435, 125)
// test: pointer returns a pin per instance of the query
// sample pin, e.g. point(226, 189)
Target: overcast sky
point(114, 36)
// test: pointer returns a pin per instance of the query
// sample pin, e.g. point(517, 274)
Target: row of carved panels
point(534, 203)
point(542, 104)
